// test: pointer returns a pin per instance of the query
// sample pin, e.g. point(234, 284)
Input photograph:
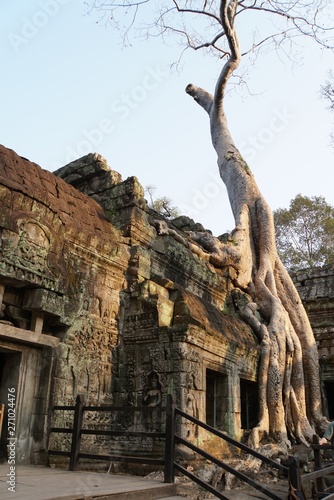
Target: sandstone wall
point(101, 296)
point(316, 288)
point(62, 269)
point(176, 319)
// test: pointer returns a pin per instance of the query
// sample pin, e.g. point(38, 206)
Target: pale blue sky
point(69, 88)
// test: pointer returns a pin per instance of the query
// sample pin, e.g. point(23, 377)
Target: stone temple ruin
point(102, 296)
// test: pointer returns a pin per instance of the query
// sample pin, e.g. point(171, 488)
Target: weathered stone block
point(165, 311)
point(43, 300)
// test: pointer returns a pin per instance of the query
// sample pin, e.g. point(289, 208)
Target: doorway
point(329, 394)
point(10, 363)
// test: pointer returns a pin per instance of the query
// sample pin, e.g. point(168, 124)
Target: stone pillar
point(235, 407)
point(37, 319)
point(2, 291)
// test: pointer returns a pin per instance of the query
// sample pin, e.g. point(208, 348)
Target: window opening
point(216, 398)
point(249, 404)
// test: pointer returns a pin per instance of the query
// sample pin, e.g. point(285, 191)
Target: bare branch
point(327, 90)
point(228, 13)
point(194, 11)
point(308, 27)
point(327, 93)
point(201, 26)
point(264, 41)
point(201, 96)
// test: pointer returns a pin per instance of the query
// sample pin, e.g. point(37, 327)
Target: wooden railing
point(290, 469)
point(78, 431)
point(321, 471)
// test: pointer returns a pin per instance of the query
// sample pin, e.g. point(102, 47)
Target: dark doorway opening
point(216, 399)
point(249, 404)
point(329, 393)
point(10, 362)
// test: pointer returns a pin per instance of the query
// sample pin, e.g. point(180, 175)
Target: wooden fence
point(171, 438)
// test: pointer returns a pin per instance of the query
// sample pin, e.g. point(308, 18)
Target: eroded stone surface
point(136, 306)
point(316, 289)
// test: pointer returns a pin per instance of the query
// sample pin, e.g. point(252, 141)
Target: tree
point(305, 232)
point(288, 377)
point(163, 205)
point(327, 92)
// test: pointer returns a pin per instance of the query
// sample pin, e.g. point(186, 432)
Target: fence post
point(294, 472)
point(76, 435)
point(170, 440)
point(318, 464)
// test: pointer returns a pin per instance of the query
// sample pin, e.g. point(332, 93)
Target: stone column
point(37, 319)
point(2, 291)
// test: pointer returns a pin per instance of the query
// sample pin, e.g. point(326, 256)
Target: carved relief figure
point(153, 399)
point(33, 245)
point(191, 407)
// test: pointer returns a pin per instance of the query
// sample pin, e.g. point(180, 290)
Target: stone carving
point(191, 406)
point(141, 305)
point(9, 240)
point(33, 245)
point(25, 251)
point(152, 400)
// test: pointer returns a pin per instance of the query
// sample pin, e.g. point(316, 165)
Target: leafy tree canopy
point(305, 232)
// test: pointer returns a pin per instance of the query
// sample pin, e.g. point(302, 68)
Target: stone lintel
point(10, 333)
point(47, 301)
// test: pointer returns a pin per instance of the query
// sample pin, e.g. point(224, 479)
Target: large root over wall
point(267, 300)
point(288, 375)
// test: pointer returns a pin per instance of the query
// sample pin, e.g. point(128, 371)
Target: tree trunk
point(289, 378)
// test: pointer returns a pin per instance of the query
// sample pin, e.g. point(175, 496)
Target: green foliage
point(162, 205)
point(305, 233)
